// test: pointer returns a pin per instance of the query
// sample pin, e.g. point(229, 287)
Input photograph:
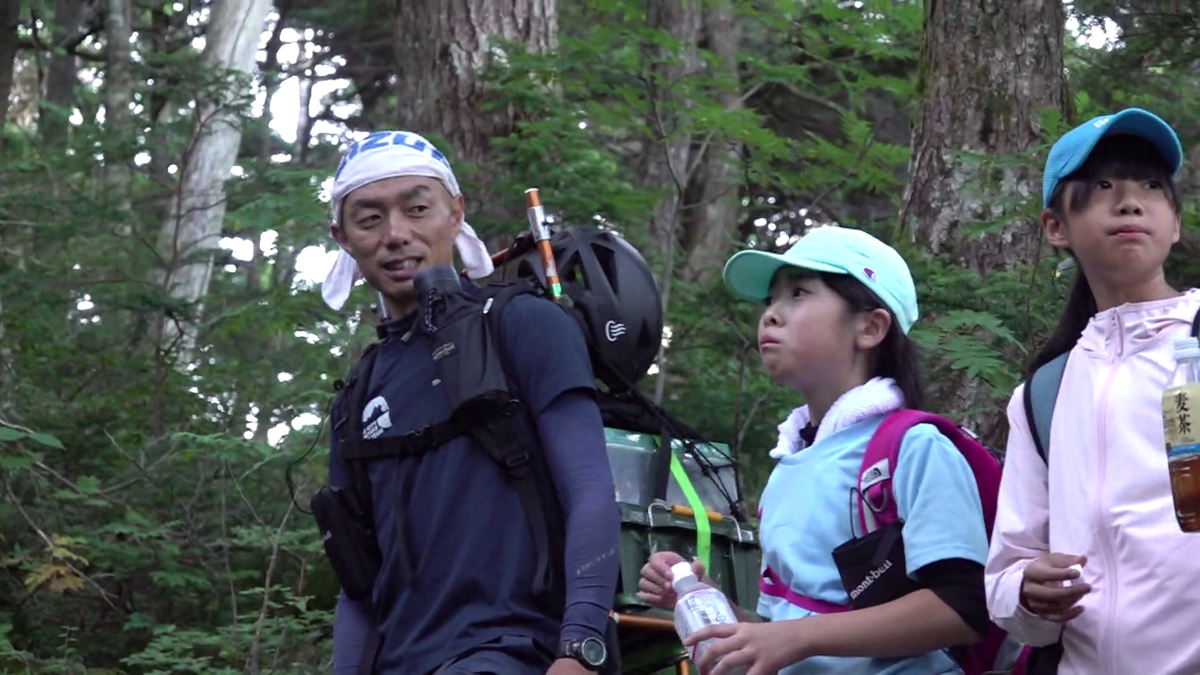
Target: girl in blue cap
point(1087, 558)
point(838, 307)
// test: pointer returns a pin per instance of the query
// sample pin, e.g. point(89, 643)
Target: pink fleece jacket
point(1106, 495)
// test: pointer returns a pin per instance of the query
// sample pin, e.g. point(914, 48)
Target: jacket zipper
point(1109, 641)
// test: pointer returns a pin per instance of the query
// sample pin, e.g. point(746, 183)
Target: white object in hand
point(1078, 579)
point(699, 605)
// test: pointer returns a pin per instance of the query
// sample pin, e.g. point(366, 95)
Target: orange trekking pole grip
point(541, 236)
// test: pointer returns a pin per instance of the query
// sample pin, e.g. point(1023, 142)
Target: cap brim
point(749, 273)
point(1136, 122)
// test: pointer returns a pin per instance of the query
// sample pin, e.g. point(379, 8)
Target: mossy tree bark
point(989, 70)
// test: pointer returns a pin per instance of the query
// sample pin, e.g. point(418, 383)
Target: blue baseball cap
point(1072, 150)
point(833, 250)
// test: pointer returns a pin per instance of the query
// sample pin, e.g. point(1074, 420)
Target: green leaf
point(48, 440)
point(88, 484)
point(7, 434)
point(16, 462)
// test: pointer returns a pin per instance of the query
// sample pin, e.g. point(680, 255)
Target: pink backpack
point(880, 460)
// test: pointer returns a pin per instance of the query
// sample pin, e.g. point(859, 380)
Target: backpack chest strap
point(412, 444)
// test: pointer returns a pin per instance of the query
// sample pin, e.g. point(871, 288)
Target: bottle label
point(1180, 428)
point(706, 609)
point(702, 608)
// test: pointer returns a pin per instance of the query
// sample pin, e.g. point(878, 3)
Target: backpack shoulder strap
point(353, 395)
point(1040, 397)
point(351, 400)
point(504, 443)
point(877, 505)
point(496, 296)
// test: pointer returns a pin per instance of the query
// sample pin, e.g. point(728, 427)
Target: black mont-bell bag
point(873, 568)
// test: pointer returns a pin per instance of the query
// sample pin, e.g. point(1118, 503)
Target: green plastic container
point(631, 457)
point(647, 527)
point(734, 556)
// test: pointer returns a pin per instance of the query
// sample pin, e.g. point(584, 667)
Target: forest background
point(164, 351)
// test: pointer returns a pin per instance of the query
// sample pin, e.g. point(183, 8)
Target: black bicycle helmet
point(613, 297)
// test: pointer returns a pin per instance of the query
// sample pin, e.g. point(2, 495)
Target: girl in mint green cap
point(837, 310)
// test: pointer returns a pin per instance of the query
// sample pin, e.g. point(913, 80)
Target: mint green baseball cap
point(833, 250)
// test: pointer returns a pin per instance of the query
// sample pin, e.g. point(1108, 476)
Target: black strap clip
point(516, 459)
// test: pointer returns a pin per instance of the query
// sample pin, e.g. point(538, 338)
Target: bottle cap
point(681, 570)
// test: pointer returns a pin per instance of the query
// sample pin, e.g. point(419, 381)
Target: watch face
point(593, 652)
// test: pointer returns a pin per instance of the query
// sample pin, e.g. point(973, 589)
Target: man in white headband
point(455, 593)
point(397, 174)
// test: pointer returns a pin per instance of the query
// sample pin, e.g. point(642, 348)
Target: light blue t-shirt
point(808, 508)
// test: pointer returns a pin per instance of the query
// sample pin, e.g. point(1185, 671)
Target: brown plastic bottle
point(1181, 427)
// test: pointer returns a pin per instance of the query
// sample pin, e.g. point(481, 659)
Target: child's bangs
point(792, 273)
point(1120, 157)
point(1124, 158)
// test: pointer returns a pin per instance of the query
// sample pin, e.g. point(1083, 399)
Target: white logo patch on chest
point(376, 418)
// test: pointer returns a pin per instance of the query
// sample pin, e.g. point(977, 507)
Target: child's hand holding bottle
point(655, 588)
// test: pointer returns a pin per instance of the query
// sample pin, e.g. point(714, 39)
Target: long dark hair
point(1117, 157)
point(897, 356)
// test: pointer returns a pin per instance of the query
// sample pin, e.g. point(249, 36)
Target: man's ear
point(458, 207)
point(339, 235)
point(1055, 229)
point(873, 327)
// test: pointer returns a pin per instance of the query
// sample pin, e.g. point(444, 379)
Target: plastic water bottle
point(699, 605)
point(1182, 431)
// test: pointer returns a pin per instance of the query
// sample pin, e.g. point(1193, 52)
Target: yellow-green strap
point(699, 513)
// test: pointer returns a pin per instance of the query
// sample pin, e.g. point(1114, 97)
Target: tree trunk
point(695, 174)
point(669, 153)
point(442, 48)
point(118, 92)
point(10, 18)
point(62, 75)
point(156, 36)
point(304, 120)
point(271, 77)
point(193, 229)
point(668, 158)
point(713, 199)
point(989, 70)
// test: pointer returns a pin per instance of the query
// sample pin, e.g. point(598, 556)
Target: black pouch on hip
point(348, 535)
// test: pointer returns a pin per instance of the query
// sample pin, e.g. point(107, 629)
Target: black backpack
point(494, 421)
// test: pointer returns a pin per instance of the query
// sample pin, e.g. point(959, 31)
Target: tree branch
point(252, 662)
point(70, 45)
point(75, 488)
point(50, 544)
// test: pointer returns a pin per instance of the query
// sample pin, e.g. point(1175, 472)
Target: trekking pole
point(541, 236)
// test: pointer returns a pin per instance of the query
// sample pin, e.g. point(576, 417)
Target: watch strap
point(573, 649)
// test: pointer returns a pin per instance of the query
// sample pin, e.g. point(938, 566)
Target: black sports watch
point(591, 652)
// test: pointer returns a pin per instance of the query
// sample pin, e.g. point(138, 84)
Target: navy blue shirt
point(471, 551)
